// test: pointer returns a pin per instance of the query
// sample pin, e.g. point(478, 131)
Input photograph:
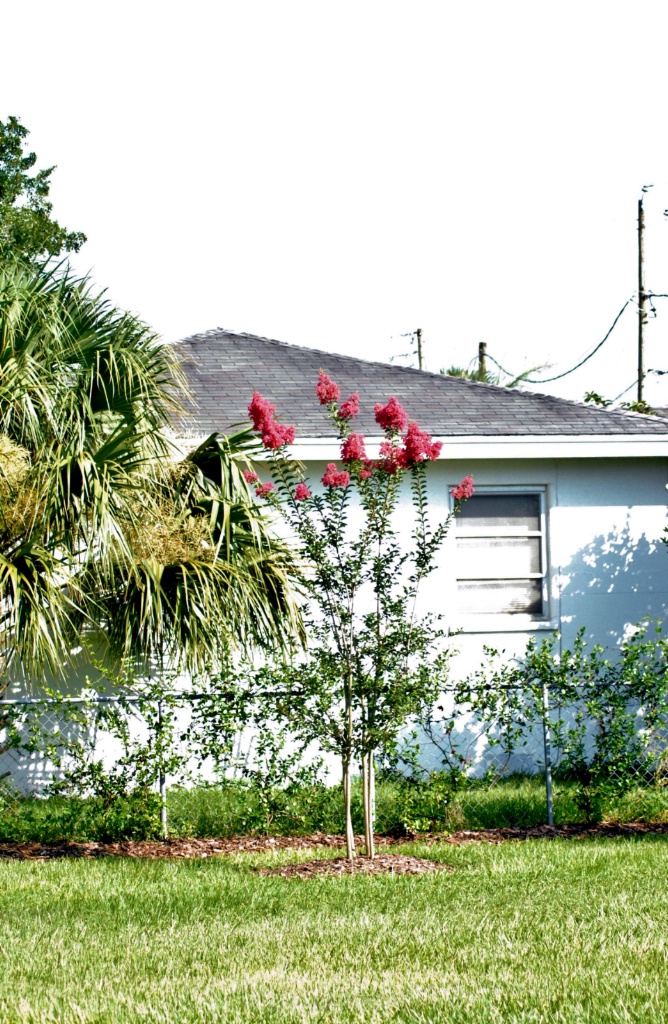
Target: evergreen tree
point(27, 229)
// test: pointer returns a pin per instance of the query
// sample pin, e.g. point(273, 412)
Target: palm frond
point(102, 530)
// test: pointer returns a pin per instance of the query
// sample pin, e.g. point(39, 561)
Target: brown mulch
point(382, 864)
point(604, 830)
point(171, 849)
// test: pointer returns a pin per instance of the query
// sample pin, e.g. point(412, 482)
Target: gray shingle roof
point(224, 369)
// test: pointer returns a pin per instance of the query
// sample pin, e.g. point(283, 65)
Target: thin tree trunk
point(365, 799)
point(347, 758)
point(372, 804)
point(368, 784)
point(350, 835)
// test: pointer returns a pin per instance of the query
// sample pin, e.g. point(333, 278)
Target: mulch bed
point(172, 849)
point(605, 830)
point(382, 864)
point(169, 849)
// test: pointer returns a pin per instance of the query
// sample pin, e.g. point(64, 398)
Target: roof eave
point(517, 446)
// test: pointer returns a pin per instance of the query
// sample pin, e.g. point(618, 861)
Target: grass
point(238, 809)
point(534, 932)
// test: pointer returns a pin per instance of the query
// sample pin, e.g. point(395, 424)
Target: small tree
point(371, 660)
point(27, 229)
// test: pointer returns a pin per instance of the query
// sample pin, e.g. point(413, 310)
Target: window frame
point(485, 622)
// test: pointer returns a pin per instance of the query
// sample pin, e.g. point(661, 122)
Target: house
point(564, 530)
point(566, 524)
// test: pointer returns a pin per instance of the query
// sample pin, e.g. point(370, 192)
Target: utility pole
point(418, 335)
point(482, 361)
point(642, 298)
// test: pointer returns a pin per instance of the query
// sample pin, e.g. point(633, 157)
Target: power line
point(622, 393)
point(547, 380)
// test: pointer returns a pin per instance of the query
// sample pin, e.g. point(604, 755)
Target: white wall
point(607, 567)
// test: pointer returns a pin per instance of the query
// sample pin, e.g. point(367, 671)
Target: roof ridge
point(218, 332)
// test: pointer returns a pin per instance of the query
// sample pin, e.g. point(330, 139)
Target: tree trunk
point(369, 796)
point(372, 804)
point(350, 835)
point(347, 759)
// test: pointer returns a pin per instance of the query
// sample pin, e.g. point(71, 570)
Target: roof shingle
point(224, 369)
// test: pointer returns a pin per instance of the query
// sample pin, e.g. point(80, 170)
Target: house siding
point(607, 567)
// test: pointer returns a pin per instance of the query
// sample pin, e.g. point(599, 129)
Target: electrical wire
point(622, 393)
point(547, 380)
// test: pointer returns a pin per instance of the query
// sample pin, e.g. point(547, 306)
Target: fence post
point(162, 782)
point(548, 758)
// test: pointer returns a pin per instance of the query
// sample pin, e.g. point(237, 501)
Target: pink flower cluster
point(395, 453)
point(329, 392)
point(419, 446)
point(352, 449)
point(392, 458)
point(350, 408)
point(326, 390)
point(392, 417)
point(463, 490)
point(274, 435)
point(334, 477)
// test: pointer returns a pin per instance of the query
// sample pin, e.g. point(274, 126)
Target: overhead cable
point(547, 380)
point(622, 393)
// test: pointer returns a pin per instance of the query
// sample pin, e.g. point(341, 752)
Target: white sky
point(336, 174)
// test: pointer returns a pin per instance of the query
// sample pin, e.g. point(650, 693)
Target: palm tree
point(489, 376)
point(107, 533)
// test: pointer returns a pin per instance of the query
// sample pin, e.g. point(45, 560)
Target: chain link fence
point(511, 756)
point(110, 767)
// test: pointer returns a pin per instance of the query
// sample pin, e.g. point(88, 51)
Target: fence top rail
point(184, 695)
point(131, 698)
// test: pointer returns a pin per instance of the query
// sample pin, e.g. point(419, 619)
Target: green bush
point(82, 819)
point(444, 803)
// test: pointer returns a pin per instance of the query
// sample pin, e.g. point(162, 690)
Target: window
point(500, 539)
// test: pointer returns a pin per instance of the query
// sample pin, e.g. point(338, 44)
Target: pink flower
point(334, 477)
point(261, 411)
point(463, 490)
point(250, 477)
point(392, 457)
point(262, 490)
point(302, 492)
point(326, 390)
point(367, 469)
point(352, 449)
point(391, 416)
point(275, 435)
point(419, 446)
point(349, 409)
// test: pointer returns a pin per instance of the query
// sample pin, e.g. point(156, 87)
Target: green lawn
point(539, 931)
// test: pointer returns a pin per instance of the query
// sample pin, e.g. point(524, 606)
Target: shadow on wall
point(608, 586)
point(611, 584)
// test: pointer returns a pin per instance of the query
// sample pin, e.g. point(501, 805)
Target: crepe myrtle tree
point(371, 661)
